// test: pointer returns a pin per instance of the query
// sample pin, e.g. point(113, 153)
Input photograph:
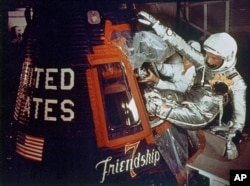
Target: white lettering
point(49, 79)
point(240, 177)
point(53, 80)
point(67, 110)
point(122, 166)
point(66, 106)
point(237, 177)
point(104, 172)
point(143, 160)
point(111, 169)
point(38, 70)
point(64, 71)
point(135, 161)
point(67, 78)
point(243, 176)
point(47, 109)
point(157, 157)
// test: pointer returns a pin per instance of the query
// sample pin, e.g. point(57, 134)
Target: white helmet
point(223, 45)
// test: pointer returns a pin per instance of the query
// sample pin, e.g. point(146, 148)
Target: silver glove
point(232, 151)
point(145, 18)
point(151, 108)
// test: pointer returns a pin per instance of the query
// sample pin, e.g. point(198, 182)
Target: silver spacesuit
point(180, 81)
point(220, 44)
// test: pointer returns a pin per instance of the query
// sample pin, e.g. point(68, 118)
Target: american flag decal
point(30, 147)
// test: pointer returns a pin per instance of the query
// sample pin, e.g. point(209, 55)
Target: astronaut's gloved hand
point(235, 132)
point(151, 108)
point(232, 151)
point(148, 19)
point(145, 18)
point(153, 104)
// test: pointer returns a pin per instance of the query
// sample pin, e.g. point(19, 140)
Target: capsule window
point(122, 116)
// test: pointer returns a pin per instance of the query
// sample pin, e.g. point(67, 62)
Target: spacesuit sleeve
point(192, 117)
point(172, 66)
point(182, 83)
point(169, 69)
point(180, 45)
point(238, 95)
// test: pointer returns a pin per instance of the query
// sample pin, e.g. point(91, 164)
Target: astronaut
point(220, 60)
